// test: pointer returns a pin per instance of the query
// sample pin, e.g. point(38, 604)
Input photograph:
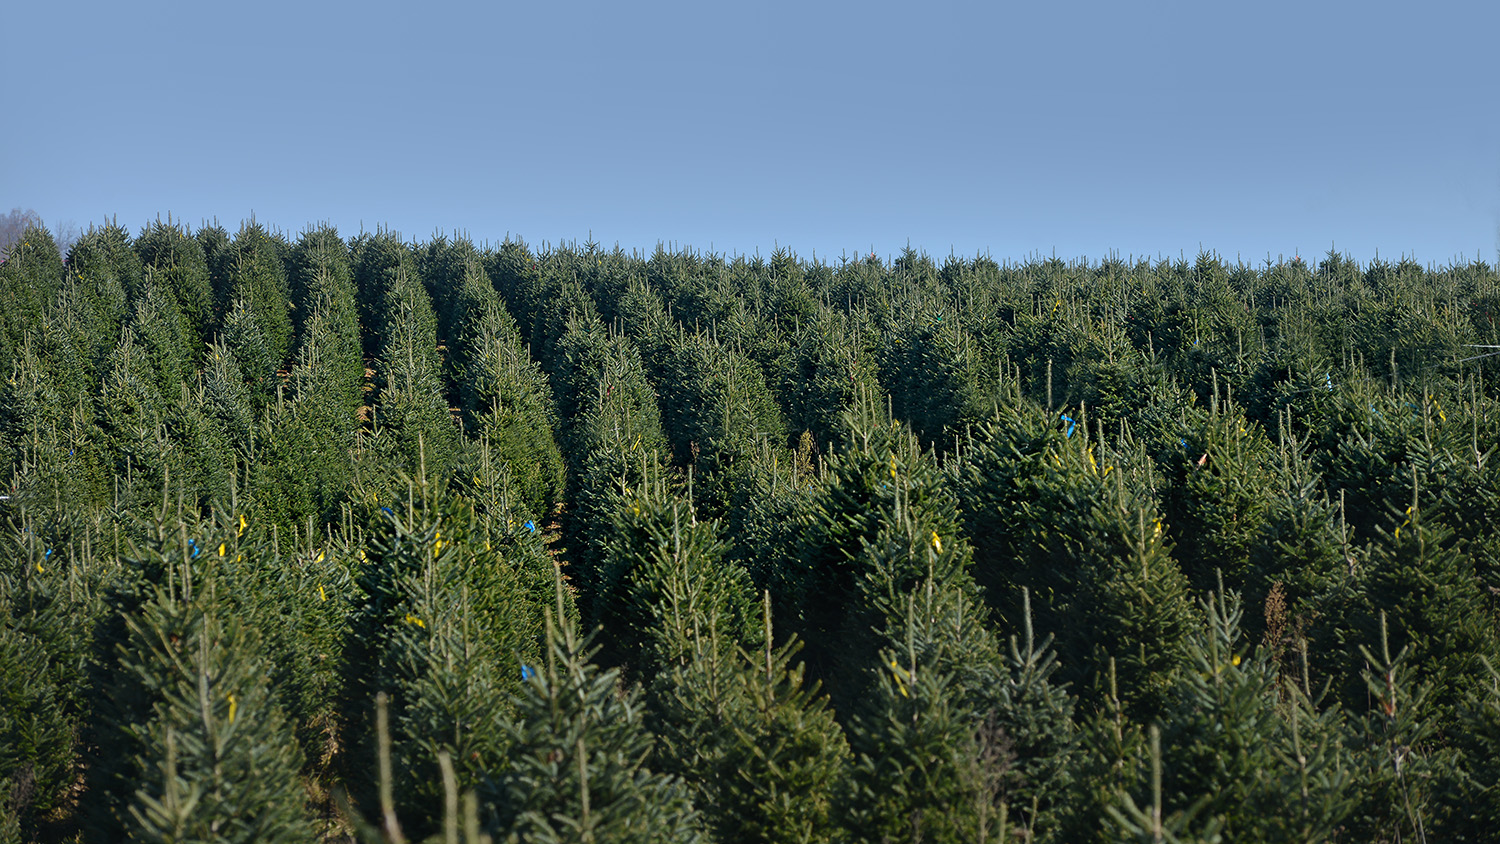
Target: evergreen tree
point(43, 636)
point(1081, 534)
point(318, 272)
point(414, 427)
point(1249, 750)
point(829, 369)
point(376, 260)
point(175, 261)
point(920, 770)
point(1220, 484)
point(760, 747)
point(448, 608)
point(618, 444)
point(219, 258)
point(258, 277)
point(579, 768)
point(306, 462)
point(198, 746)
point(928, 368)
point(1438, 614)
point(507, 399)
point(109, 276)
point(665, 584)
point(244, 342)
point(30, 277)
point(1402, 762)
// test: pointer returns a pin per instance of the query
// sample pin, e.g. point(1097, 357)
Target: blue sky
point(1074, 128)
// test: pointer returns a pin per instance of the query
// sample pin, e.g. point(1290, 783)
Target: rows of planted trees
point(313, 538)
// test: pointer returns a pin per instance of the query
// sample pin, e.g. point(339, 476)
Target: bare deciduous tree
point(14, 224)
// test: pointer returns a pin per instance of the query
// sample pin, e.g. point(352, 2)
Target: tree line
point(313, 537)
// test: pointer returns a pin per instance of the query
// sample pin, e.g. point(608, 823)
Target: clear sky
point(1016, 129)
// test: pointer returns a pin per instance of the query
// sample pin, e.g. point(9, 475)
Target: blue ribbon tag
point(1072, 423)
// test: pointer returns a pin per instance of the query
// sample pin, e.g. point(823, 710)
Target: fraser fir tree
point(618, 444)
point(43, 645)
point(579, 767)
point(307, 445)
point(374, 260)
point(319, 272)
point(198, 746)
point(1081, 533)
point(829, 370)
point(920, 771)
point(447, 608)
point(1402, 762)
point(1421, 580)
point(1250, 749)
point(219, 258)
point(665, 584)
point(507, 400)
point(1220, 482)
point(760, 747)
point(108, 276)
point(415, 432)
point(30, 277)
point(175, 261)
point(245, 342)
point(259, 278)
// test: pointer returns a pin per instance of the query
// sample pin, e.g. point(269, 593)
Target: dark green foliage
point(664, 584)
point(339, 472)
point(244, 342)
point(1082, 535)
point(930, 368)
point(1250, 751)
point(375, 259)
point(198, 746)
point(1221, 485)
point(880, 492)
point(319, 272)
point(42, 647)
point(30, 277)
point(829, 371)
point(759, 746)
point(506, 399)
point(1403, 764)
point(444, 264)
point(306, 459)
point(716, 412)
point(579, 767)
point(110, 276)
point(618, 444)
point(170, 351)
point(175, 261)
point(1476, 806)
point(921, 770)
point(1439, 615)
point(219, 258)
point(258, 277)
point(415, 432)
point(447, 608)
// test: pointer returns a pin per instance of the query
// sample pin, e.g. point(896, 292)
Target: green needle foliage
point(200, 747)
point(1001, 514)
point(579, 768)
point(760, 747)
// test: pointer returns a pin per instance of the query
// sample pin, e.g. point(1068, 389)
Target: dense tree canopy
point(315, 538)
